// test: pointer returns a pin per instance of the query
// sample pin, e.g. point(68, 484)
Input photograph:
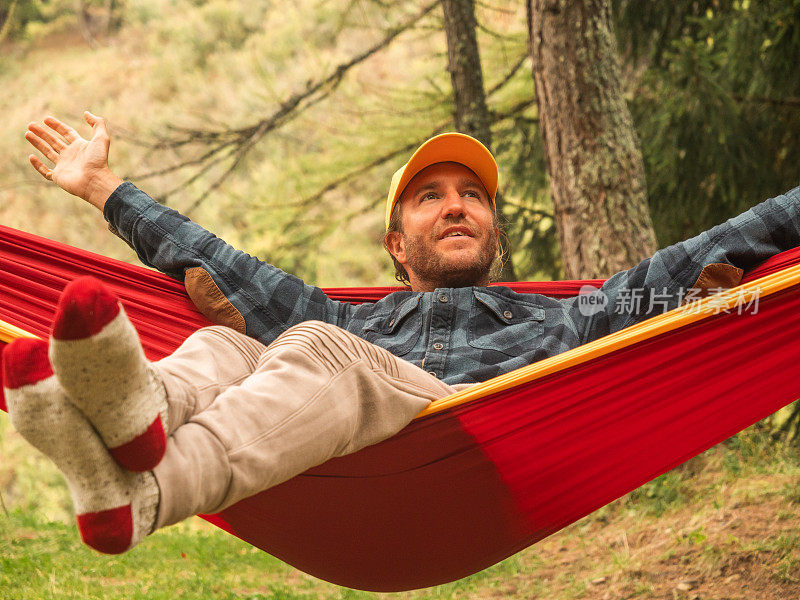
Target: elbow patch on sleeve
point(210, 300)
point(716, 277)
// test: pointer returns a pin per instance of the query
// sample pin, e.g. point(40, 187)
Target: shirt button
point(508, 314)
point(432, 373)
point(443, 298)
point(438, 346)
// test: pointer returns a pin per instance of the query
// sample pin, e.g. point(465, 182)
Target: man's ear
point(396, 244)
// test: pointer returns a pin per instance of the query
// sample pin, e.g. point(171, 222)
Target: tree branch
point(376, 162)
point(386, 157)
point(790, 102)
point(9, 19)
point(531, 210)
point(514, 111)
point(508, 76)
point(244, 138)
point(494, 8)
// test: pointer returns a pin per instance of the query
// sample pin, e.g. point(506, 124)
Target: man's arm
point(227, 285)
point(714, 259)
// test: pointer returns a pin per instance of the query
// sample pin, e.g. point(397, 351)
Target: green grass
point(46, 559)
point(193, 560)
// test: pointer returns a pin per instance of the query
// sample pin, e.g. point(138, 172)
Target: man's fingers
point(41, 146)
point(55, 142)
point(68, 132)
point(97, 123)
point(39, 166)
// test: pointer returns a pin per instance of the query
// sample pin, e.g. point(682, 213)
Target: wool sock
point(115, 508)
point(98, 359)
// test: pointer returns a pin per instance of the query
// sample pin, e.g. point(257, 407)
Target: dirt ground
point(742, 543)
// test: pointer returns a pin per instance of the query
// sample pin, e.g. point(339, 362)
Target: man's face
point(448, 234)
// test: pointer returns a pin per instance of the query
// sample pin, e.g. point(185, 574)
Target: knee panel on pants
point(327, 345)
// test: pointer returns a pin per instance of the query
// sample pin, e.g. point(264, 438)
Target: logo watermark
point(591, 300)
point(650, 301)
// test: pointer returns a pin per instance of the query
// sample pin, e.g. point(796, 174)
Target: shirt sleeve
point(661, 282)
point(262, 300)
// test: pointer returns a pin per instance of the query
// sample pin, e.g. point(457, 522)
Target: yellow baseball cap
point(447, 147)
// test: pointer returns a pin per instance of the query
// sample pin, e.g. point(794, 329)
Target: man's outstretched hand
point(80, 165)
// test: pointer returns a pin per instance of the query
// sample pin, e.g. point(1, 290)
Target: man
point(227, 415)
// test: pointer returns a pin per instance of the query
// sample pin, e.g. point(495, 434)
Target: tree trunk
point(471, 113)
point(7, 18)
point(84, 23)
point(592, 151)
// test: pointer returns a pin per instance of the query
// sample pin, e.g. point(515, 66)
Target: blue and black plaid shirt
point(461, 335)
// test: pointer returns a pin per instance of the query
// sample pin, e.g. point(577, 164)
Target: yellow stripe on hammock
point(9, 332)
point(658, 325)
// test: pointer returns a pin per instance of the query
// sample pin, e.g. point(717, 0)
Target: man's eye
point(472, 193)
point(429, 196)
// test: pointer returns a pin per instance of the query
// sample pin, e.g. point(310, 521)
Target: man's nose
point(453, 205)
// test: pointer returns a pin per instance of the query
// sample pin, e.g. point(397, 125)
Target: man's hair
point(400, 273)
point(396, 224)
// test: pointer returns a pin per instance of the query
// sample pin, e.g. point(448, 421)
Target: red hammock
point(459, 490)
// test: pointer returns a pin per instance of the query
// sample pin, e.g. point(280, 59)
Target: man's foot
point(98, 359)
point(115, 508)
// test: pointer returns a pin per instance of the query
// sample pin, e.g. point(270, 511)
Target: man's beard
point(433, 266)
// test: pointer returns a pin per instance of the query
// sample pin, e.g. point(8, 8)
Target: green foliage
point(211, 28)
point(792, 424)
point(715, 94)
point(531, 226)
point(15, 16)
point(664, 492)
point(35, 19)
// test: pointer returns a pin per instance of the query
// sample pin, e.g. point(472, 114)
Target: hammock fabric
point(489, 471)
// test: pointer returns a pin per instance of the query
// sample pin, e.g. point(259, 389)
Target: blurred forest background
point(278, 125)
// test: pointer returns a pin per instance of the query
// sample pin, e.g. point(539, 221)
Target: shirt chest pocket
point(503, 325)
point(397, 331)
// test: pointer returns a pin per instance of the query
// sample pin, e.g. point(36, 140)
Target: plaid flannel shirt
point(461, 335)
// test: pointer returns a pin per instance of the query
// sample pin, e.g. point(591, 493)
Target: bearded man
point(291, 378)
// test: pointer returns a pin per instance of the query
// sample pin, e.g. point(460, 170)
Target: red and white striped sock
point(98, 359)
point(115, 508)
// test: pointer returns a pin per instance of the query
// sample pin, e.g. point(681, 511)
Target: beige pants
point(244, 417)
